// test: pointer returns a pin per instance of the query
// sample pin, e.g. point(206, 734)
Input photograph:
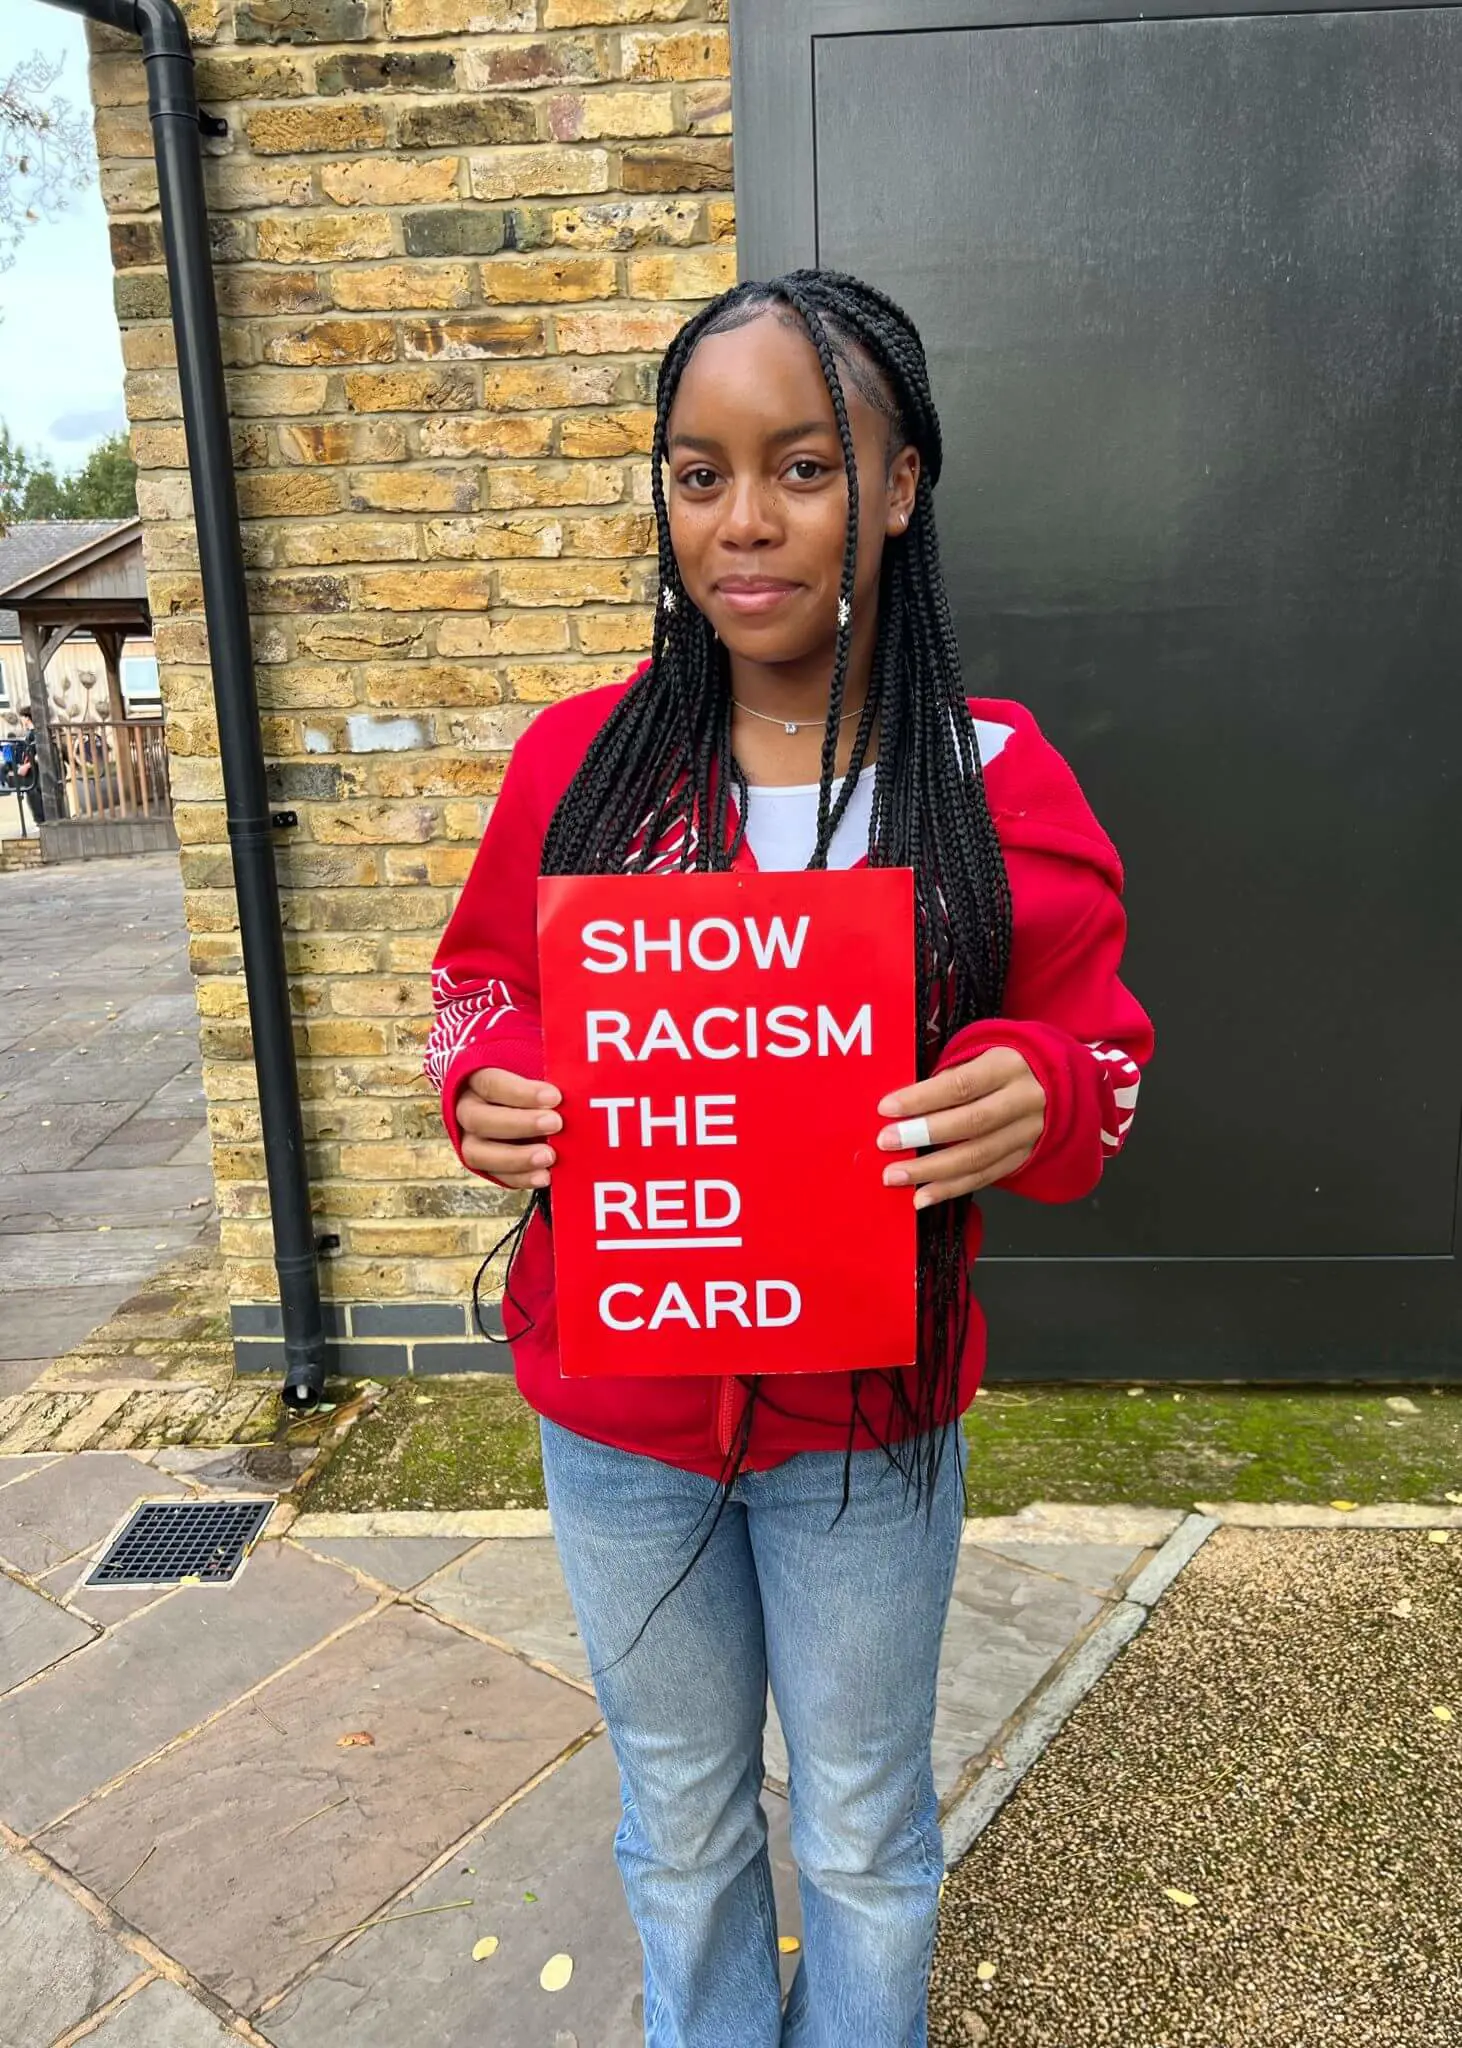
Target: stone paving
point(104, 1162)
point(287, 1810)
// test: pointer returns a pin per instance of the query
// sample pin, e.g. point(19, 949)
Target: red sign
point(722, 1043)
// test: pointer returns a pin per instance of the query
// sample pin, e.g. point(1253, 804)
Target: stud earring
point(845, 611)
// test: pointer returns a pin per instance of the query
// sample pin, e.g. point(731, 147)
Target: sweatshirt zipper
point(725, 1415)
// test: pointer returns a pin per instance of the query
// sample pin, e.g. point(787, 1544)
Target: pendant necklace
point(792, 725)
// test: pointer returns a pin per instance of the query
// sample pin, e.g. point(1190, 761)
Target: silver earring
point(845, 611)
point(667, 599)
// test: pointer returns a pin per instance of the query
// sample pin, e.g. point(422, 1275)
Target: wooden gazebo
point(104, 781)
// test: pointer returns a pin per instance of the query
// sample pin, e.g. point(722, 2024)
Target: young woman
point(803, 707)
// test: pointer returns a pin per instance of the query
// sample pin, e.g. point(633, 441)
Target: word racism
point(721, 1043)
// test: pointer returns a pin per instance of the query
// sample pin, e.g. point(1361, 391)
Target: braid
point(662, 765)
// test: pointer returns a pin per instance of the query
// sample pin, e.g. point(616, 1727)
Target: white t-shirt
point(781, 824)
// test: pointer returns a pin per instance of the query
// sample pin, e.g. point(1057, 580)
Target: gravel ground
point(1267, 1747)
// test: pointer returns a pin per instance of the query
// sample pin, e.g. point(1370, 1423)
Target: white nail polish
point(914, 1134)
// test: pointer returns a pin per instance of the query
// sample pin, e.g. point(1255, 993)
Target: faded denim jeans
point(847, 1623)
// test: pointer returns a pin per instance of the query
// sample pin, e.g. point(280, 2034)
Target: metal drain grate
point(165, 1542)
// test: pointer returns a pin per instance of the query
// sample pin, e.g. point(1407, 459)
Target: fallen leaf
point(361, 1739)
point(1401, 1405)
point(1344, 1506)
point(984, 1972)
point(1132, 1392)
point(484, 1948)
point(102, 1229)
point(1403, 1608)
point(1178, 1898)
point(788, 1944)
point(1443, 1713)
point(1454, 1498)
point(1438, 1535)
point(556, 1972)
point(530, 1898)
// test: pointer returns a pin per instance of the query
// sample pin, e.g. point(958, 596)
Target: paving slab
point(513, 1588)
point(163, 2015)
point(39, 1324)
point(56, 1135)
point(16, 1464)
point(34, 1632)
point(152, 1142)
point(101, 1604)
point(235, 1468)
point(17, 1374)
point(403, 1563)
point(90, 1195)
point(456, 1727)
point(556, 1843)
point(73, 1504)
point(56, 1964)
point(121, 1259)
point(159, 1674)
point(1100, 1567)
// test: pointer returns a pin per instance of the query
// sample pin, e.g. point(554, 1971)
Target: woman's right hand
point(505, 1123)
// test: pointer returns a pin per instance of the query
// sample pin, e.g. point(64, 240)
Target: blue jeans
point(847, 1622)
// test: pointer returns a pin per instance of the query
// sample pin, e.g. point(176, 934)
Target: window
point(139, 681)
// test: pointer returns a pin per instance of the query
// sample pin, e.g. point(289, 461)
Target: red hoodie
point(1066, 1012)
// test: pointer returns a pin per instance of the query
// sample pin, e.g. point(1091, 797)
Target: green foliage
point(105, 486)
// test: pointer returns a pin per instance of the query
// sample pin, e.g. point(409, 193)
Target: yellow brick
point(149, 348)
point(439, 774)
point(541, 683)
point(460, 17)
point(608, 116)
point(332, 956)
point(582, 483)
point(623, 533)
point(683, 274)
point(306, 689)
point(628, 631)
point(333, 341)
point(446, 867)
point(264, 394)
point(152, 395)
point(540, 168)
point(516, 633)
point(392, 181)
point(295, 131)
point(619, 330)
point(493, 539)
point(372, 824)
point(359, 639)
point(195, 781)
point(354, 1120)
point(524, 387)
point(123, 131)
point(449, 390)
point(342, 1038)
point(422, 685)
point(425, 590)
point(721, 219)
point(559, 583)
point(627, 432)
point(166, 497)
point(698, 53)
point(276, 493)
point(403, 286)
point(536, 280)
point(465, 339)
point(377, 910)
point(344, 441)
point(232, 186)
point(413, 955)
point(348, 540)
point(391, 1162)
point(329, 238)
point(463, 821)
point(415, 1240)
point(172, 594)
point(695, 164)
point(500, 436)
point(625, 223)
point(708, 108)
point(594, 13)
point(414, 490)
point(243, 293)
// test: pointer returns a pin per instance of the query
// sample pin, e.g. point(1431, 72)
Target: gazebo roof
point(70, 562)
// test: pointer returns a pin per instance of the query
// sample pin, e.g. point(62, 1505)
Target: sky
point(60, 355)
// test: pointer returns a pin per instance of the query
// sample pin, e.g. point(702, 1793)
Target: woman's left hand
point(984, 1120)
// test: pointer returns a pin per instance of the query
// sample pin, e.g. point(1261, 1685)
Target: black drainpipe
point(172, 101)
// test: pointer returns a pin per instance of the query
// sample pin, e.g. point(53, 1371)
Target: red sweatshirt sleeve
point(485, 975)
point(1067, 1012)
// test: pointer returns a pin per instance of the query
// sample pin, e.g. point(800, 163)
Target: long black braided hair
point(661, 771)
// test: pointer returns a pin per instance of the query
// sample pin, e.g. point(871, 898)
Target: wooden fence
point(112, 769)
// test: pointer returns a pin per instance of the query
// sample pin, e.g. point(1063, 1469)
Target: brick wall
point(451, 238)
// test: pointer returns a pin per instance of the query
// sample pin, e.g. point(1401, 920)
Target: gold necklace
point(792, 725)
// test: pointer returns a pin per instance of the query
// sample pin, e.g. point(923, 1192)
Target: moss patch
point(448, 1444)
point(473, 1443)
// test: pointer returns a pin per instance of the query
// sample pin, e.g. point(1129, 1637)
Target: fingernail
point(895, 1177)
point(890, 1106)
point(541, 1158)
point(888, 1139)
point(549, 1122)
point(923, 1199)
point(540, 1180)
point(548, 1098)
